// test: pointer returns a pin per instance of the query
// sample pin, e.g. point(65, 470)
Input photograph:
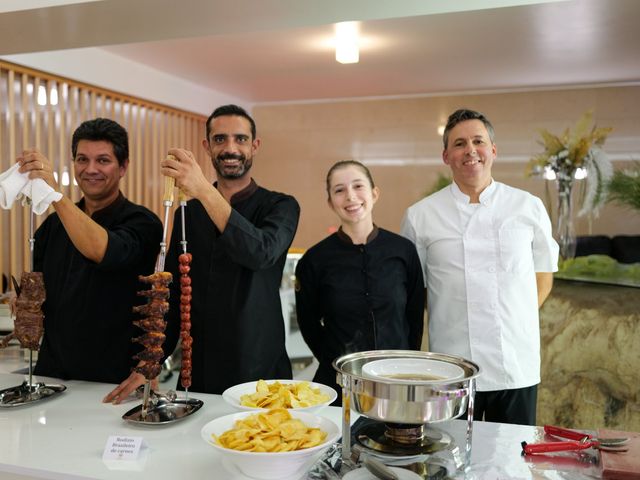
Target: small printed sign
point(123, 447)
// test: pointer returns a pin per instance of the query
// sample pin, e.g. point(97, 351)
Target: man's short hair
point(463, 115)
point(229, 110)
point(103, 129)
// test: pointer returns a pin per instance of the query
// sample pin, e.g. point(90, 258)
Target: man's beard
point(236, 172)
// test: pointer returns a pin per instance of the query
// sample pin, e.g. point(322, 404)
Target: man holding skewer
point(238, 234)
point(90, 254)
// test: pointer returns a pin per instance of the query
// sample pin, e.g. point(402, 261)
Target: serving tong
point(575, 441)
point(28, 391)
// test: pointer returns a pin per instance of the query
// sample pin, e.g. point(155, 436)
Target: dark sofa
point(623, 248)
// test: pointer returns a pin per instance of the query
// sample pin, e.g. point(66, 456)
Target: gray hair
point(463, 115)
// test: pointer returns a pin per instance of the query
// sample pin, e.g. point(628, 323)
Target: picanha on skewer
point(153, 324)
point(185, 319)
point(28, 327)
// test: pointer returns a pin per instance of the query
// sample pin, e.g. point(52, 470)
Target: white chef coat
point(479, 262)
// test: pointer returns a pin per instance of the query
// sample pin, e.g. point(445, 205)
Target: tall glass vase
point(565, 232)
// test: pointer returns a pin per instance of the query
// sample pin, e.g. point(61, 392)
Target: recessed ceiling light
point(347, 48)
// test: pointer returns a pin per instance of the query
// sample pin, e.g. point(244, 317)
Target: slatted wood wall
point(27, 123)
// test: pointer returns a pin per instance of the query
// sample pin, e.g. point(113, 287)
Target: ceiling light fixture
point(347, 49)
point(548, 173)
point(580, 174)
point(42, 96)
point(53, 96)
point(65, 177)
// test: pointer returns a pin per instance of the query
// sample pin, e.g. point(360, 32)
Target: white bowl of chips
point(308, 433)
point(268, 394)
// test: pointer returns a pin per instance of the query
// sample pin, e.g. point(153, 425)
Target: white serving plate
point(412, 370)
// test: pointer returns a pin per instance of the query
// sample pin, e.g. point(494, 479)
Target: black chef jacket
point(88, 310)
point(236, 315)
point(352, 298)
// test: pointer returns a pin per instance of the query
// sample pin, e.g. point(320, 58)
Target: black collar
point(243, 194)
point(347, 239)
point(106, 211)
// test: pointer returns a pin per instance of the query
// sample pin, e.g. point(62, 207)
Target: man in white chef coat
point(487, 255)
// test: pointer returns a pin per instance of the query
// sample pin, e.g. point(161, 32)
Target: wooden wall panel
point(30, 117)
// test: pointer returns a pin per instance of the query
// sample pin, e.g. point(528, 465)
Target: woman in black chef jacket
point(360, 288)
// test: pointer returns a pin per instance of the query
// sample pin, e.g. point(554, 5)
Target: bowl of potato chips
point(270, 444)
point(270, 394)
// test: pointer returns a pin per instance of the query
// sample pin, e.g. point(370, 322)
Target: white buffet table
point(64, 438)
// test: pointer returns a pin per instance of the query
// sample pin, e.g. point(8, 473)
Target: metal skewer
point(157, 409)
point(169, 185)
point(167, 200)
point(145, 398)
point(32, 242)
point(182, 198)
point(28, 391)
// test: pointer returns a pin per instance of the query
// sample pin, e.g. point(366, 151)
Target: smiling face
point(98, 172)
point(351, 195)
point(470, 154)
point(231, 146)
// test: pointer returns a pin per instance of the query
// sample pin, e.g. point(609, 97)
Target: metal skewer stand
point(32, 242)
point(159, 409)
point(29, 392)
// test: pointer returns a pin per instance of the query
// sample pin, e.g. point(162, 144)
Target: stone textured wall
point(590, 337)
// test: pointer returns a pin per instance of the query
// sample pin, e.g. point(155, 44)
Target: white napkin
point(14, 185)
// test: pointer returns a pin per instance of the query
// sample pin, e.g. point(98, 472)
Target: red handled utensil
point(568, 445)
point(576, 441)
point(581, 436)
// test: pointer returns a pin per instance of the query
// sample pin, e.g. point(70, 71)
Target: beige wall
point(398, 139)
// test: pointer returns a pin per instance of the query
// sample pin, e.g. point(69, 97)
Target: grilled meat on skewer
point(153, 323)
point(28, 323)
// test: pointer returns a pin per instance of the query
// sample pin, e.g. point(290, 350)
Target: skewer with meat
point(28, 323)
point(153, 324)
point(157, 305)
point(185, 319)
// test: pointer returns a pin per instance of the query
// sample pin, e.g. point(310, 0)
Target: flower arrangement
point(562, 157)
point(580, 148)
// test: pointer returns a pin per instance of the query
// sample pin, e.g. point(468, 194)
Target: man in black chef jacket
point(238, 234)
point(90, 254)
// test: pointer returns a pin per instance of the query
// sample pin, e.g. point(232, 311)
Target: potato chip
point(272, 431)
point(283, 395)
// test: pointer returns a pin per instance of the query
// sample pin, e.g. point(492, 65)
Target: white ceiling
point(280, 50)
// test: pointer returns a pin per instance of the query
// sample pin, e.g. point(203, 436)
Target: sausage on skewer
point(185, 319)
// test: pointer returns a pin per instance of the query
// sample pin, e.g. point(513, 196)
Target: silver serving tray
point(24, 394)
point(164, 412)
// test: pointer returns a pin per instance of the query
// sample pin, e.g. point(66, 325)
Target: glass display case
point(298, 351)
